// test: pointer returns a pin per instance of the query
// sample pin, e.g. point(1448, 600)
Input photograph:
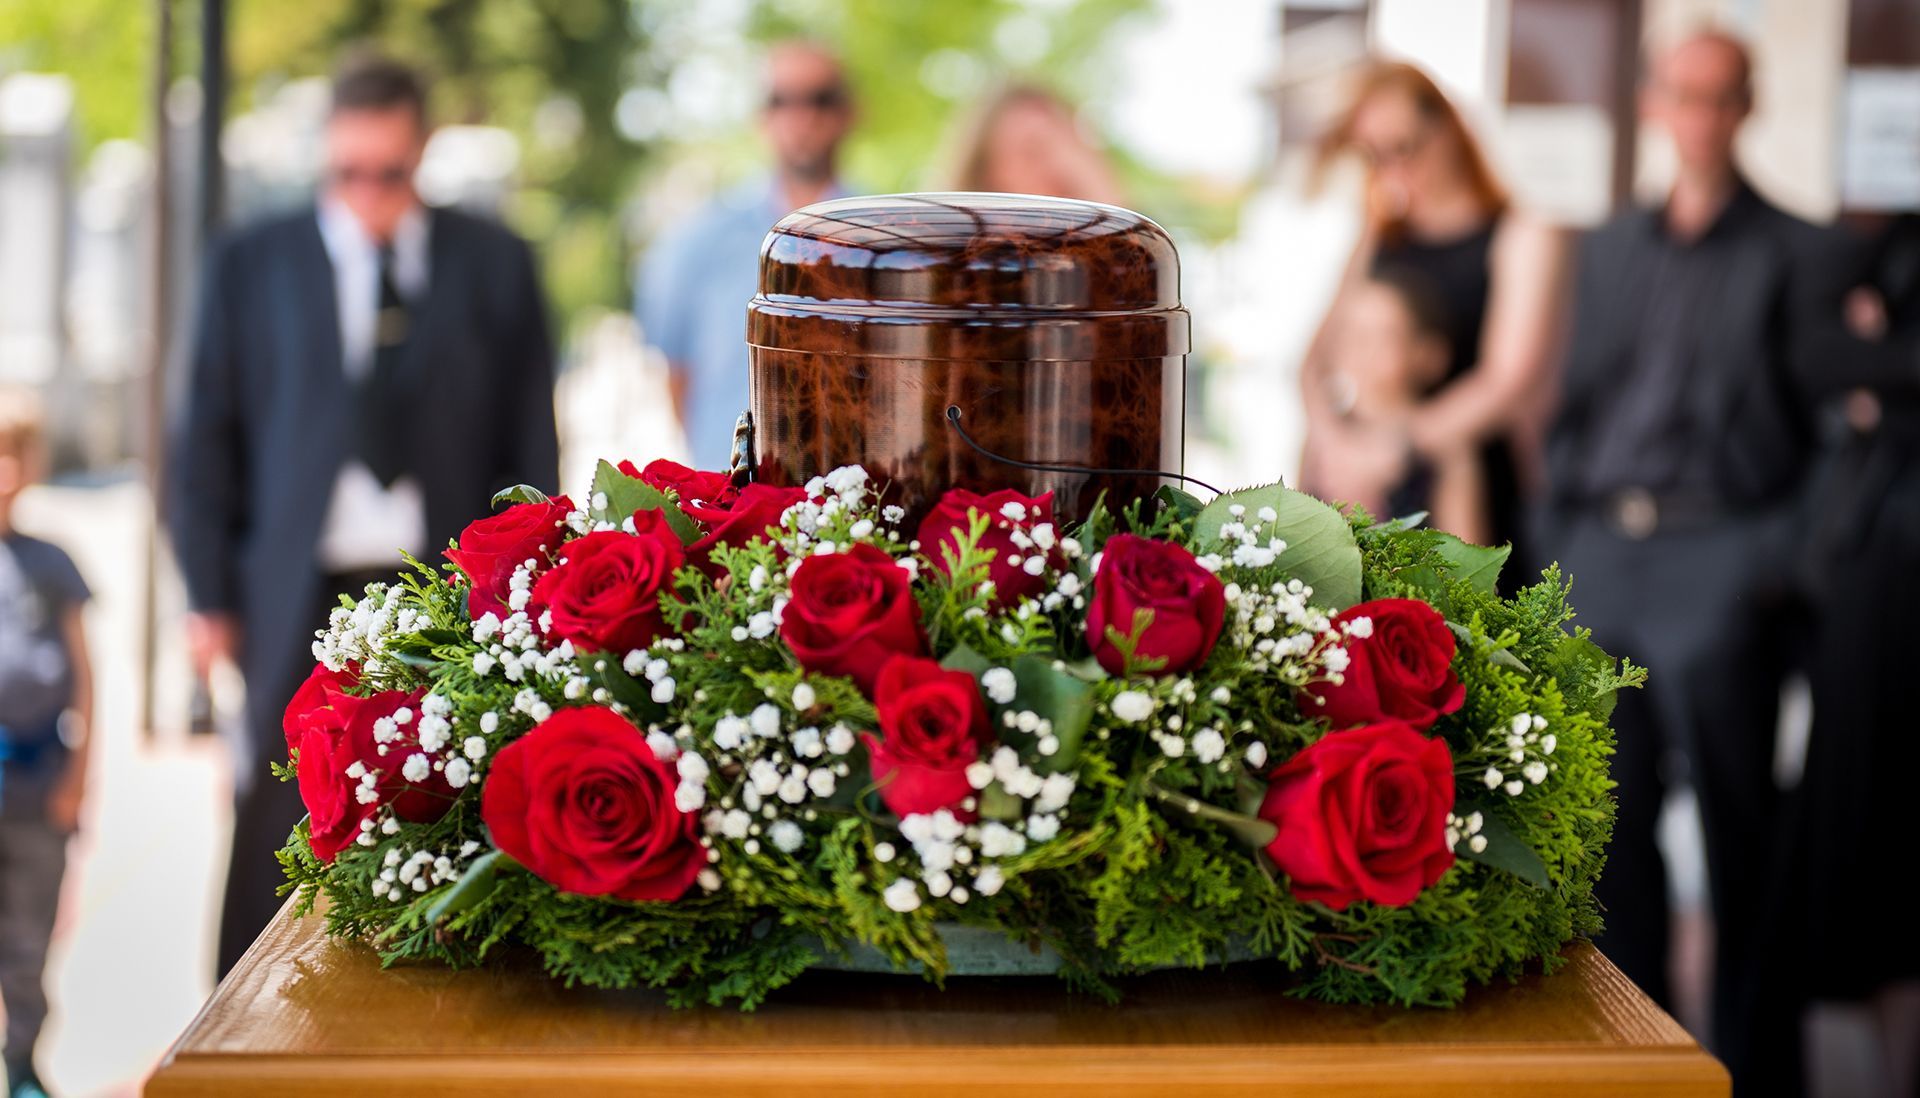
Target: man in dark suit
point(365, 373)
point(1673, 470)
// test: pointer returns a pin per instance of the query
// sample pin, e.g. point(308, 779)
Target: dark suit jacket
point(1752, 405)
point(262, 425)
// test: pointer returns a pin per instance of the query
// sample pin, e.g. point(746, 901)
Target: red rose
point(932, 727)
point(689, 486)
point(1363, 815)
point(334, 810)
point(849, 613)
point(337, 730)
point(490, 549)
point(585, 804)
point(605, 593)
point(1401, 670)
point(748, 515)
point(952, 516)
point(1188, 604)
point(312, 704)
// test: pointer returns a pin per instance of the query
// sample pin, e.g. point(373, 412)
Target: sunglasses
point(389, 178)
point(819, 99)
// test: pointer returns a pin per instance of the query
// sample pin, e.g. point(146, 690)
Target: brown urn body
point(1053, 326)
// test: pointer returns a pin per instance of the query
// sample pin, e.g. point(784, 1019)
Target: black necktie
point(381, 417)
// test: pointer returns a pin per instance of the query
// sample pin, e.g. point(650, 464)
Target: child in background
point(45, 710)
point(1389, 352)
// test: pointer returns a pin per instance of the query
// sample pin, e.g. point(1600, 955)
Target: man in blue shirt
point(696, 281)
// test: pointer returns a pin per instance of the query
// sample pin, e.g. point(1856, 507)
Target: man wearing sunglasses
point(694, 285)
point(365, 373)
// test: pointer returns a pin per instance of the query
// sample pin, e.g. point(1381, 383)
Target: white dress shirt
point(368, 524)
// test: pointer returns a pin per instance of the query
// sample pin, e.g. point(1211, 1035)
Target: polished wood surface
point(305, 1015)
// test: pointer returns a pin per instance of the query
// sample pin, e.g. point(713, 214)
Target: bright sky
point(1193, 105)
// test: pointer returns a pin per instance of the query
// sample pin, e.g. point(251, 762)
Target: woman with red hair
point(1437, 215)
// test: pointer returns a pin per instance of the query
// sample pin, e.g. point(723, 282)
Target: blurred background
point(133, 131)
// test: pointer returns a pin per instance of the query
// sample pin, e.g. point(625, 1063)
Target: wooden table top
point(302, 1014)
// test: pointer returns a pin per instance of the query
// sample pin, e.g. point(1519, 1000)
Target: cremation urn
point(890, 330)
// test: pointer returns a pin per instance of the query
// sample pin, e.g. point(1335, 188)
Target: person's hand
point(211, 638)
point(1866, 313)
point(1361, 464)
point(69, 793)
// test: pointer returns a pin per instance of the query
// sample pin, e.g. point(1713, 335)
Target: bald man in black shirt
point(1674, 467)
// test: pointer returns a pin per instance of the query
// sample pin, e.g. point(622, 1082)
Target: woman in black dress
point(1435, 212)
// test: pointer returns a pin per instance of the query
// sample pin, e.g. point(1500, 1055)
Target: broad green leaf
point(1320, 552)
point(630, 692)
point(1504, 849)
point(519, 493)
point(476, 883)
point(1404, 522)
point(963, 658)
point(626, 495)
point(998, 804)
point(1476, 565)
point(1058, 697)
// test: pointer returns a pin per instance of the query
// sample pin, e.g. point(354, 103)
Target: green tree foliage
point(555, 72)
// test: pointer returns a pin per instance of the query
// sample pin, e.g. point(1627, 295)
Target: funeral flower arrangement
point(697, 737)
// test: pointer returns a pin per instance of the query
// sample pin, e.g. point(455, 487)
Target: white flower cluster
point(403, 872)
point(426, 746)
point(1248, 548)
point(1527, 746)
point(778, 767)
point(457, 760)
point(1466, 827)
point(1175, 734)
point(955, 857)
point(839, 509)
point(514, 645)
point(953, 854)
point(1281, 632)
point(653, 669)
point(358, 635)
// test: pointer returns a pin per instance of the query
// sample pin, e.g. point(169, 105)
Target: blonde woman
point(1024, 139)
point(1436, 213)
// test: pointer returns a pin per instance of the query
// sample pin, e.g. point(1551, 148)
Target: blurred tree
point(103, 46)
point(613, 99)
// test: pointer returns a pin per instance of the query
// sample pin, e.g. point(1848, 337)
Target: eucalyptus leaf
point(998, 804)
point(1504, 850)
point(1476, 565)
point(629, 691)
point(963, 658)
point(1320, 552)
point(476, 883)
point(627, 495)
point(519, 493)
point(1060, 698)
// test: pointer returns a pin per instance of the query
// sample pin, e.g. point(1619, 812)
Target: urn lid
point(975, 276)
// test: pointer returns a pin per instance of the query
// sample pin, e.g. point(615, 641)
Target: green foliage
point(1158, 858)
